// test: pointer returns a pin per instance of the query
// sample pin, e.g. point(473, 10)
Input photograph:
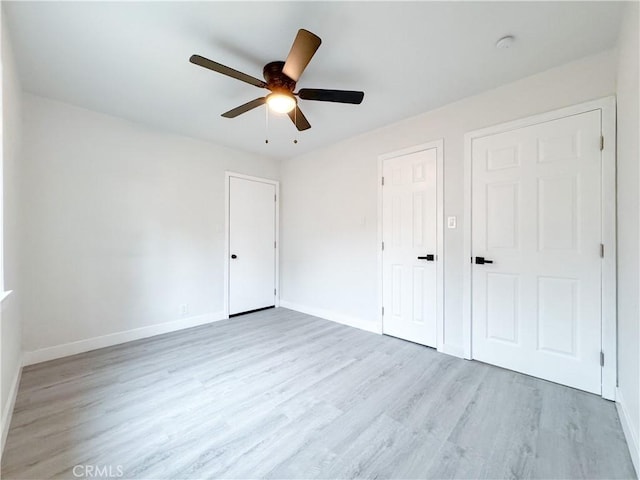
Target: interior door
point(536, 209)
point(409, 219)
point(252, 236)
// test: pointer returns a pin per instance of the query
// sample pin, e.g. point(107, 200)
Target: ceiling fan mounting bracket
point(276, 80)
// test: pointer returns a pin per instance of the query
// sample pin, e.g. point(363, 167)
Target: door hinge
point(274, 291)
point(602, 359)
point(274, 245)
point(383, 311)
point(382, 246)
point(275, 198)
point(383, 181)
point(601, 250)
point(601, 142)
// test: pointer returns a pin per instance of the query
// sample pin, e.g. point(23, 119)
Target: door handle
point(429, 258)
point(482, 261)
point(234, 256)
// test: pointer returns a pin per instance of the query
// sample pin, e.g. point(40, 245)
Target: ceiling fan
point(281, 78)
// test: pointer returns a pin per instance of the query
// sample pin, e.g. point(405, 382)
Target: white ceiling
point(130, 59)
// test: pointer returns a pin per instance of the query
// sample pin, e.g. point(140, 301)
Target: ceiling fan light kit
point(281, 78)
point(281, 102)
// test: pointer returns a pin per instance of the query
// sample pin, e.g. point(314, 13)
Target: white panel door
point(409, 210)
point(537, 216)
point(252, 236)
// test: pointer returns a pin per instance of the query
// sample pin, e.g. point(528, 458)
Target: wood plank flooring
point(279, 394)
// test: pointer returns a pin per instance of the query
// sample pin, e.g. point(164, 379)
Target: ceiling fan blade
point(245, 108)
point(339, 96)
point(303, 48)
point(228, 71)
point(298, 119)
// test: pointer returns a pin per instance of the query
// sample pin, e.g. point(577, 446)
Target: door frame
point(607, 106)
point(439, 146)
point(227, 202)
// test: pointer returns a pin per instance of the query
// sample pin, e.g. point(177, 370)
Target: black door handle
point(482, 261)
point(234, 256)
point(429, 258)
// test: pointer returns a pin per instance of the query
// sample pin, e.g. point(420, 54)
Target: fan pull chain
point(295, 120)
point(266, 127)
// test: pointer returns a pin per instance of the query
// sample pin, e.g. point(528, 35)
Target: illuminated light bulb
point(281, 102)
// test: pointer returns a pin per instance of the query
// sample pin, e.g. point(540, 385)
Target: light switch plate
point(451, 222)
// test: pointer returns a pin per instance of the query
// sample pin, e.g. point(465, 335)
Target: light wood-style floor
point(279, 394)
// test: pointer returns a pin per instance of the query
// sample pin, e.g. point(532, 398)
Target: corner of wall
point(628, 110)
point(630, 433)
point(11, 315)
point(7, 411)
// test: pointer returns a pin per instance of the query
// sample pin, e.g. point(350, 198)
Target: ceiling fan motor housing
point(276, 80)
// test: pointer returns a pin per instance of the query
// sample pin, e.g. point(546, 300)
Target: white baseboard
point(375, 327)
point(629, 429)
point(7, 413)
point(81, 346)
point(348, 320)
point(453, 350)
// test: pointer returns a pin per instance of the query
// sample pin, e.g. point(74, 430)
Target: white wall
point(628, 394)
point(123, 224)
point(10, 328)
point(329, 196)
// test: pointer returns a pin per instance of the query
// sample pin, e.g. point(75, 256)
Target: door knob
point(482, 261)
point(429, 258)
point(234, 256)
